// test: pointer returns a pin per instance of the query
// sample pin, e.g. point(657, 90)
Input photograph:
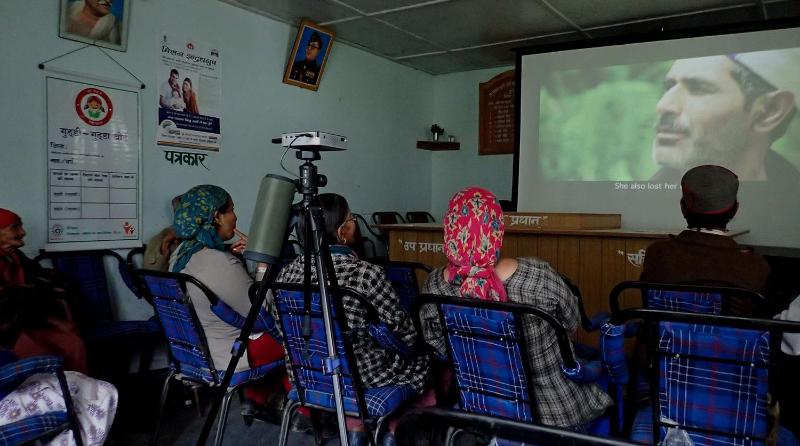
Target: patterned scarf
point(473, 237)
point(11, 270)
point(194, 222)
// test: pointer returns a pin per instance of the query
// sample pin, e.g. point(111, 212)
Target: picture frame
point(307, 61)
point(78, 21)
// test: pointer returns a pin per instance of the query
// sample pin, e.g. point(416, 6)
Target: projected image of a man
point(721, 110)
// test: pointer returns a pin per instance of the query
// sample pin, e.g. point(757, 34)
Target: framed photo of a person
point(309, 54)
point(99, 22)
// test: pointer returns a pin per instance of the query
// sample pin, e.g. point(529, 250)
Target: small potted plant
point(436, 131)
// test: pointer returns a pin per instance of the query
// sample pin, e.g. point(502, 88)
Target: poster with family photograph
point(99, 22)
point(309, 54)
point(189, 94)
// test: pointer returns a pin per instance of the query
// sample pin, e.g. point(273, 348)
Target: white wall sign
point(93, 166)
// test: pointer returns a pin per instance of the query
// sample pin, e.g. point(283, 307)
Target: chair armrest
point(584, 372)
point(612, 349)
point(384, 336)
point(14, 373)
point(264, 322)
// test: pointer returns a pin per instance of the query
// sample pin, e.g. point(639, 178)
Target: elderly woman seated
point(377, 366)
point(44, 319)
point(473, 238)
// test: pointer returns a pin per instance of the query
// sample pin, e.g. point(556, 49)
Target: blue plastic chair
point(403, 277)
point(39, 427)
point(87, 271)
point(312, 384)
point(487, 349)
point(708, 374)
point(189, 356)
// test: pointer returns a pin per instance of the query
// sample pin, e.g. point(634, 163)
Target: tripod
point(308, 185)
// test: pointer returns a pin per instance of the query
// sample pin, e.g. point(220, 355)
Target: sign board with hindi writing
point(189, 95)
point(550, 220)
point(93, 166)
point(496, 115)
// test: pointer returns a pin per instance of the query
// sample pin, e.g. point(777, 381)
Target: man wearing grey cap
point(703, 254)
point(728, 110)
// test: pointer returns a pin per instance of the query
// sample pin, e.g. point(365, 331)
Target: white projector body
point(320, 140)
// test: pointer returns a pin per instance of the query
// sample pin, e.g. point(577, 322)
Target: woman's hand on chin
point(239, 246)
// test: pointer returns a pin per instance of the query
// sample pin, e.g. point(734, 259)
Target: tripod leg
point(237, 351)
point(223, 417)
point(288, 411)
point(162, 402)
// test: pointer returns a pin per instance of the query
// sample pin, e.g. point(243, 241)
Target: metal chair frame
point(126, 273)
point(378, 216)
point(652, 317)
point(518, 310)
point(411, 217)
point(355, 377)
point(413, 267)
point(502, 428)
point(174, 372)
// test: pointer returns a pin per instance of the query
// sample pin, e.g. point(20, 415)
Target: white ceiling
point(445, 36)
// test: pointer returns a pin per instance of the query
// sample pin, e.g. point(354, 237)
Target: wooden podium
point(594, 259)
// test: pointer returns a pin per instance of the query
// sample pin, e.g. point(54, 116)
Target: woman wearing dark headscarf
point(205, 220)
point(473, 238)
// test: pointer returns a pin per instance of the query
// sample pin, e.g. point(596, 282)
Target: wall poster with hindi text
point(189, 94)
point(93, 166)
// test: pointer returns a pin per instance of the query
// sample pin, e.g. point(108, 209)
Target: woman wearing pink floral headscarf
point(473, 240)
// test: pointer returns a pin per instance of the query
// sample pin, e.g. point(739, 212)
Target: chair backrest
point(403, 277)
point(363, 239)
point(308, 351)
point(710, 379)
point(188, 347)
point(681, 297)
point(387, 218)
point(87, 271)
point(487, 348)
point(714, 379)
point(419, 217)
point(135, 257)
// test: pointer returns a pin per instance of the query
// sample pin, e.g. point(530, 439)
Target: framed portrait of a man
point(99, 22)
point(309, 54)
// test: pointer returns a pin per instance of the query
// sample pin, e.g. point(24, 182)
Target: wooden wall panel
point(528, 245)
point(548, 250)
point(591, 281)
point(510, 246)
point(614, 269)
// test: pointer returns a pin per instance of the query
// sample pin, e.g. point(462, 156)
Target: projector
point(313, 140)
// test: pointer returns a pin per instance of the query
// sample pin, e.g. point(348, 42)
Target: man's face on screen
point(701, 116)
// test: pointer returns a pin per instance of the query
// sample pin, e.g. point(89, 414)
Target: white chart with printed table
point(93, 162)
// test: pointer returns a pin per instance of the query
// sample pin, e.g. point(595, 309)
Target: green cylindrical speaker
point(270, 219)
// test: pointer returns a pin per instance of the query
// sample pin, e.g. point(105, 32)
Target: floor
point(182, 423)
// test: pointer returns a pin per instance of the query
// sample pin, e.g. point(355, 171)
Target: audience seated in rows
point(35, 303)
point(205, 220)
point(377, 366)
point(473, 237)
point(162, 245)
point(704, 254)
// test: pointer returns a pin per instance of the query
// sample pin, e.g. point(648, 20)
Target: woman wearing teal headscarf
point(205, 220)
